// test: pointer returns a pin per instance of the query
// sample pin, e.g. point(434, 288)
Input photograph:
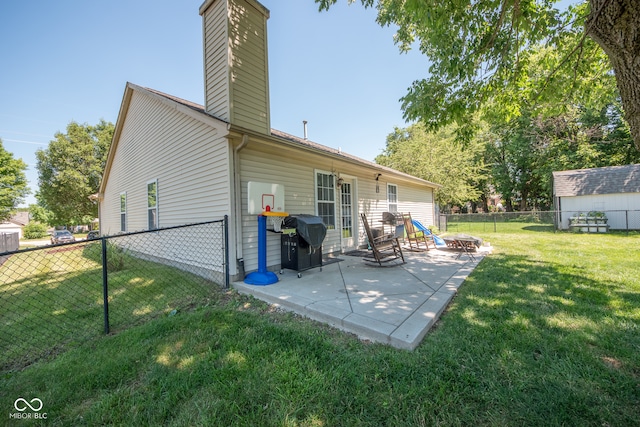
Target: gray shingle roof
point(607, 180)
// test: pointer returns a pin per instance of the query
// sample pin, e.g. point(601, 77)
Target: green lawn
point(546, 331)
point(52, 298)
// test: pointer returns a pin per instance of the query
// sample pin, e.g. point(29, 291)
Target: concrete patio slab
point(395, 304)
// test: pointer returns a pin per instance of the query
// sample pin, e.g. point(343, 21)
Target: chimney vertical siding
point(235, 63)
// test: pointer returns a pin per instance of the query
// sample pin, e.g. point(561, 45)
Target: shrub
point(34, 230)
point(116, 256)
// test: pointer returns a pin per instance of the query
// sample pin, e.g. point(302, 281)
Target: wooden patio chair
point(384, 248)
point(415, 235)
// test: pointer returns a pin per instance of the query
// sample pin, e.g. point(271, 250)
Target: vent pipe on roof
point(304, 123)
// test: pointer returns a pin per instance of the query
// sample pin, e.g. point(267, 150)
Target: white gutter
point(237, 189)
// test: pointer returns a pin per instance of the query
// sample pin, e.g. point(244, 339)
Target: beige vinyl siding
point(371, 203)
point(235, 64)
point(297, 177)
point(249, 76)
point(418, 202)
point(216, 61)
point(412, 198)
point(295, 170)
point(187, 157)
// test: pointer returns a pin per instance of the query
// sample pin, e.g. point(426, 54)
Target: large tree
point(13, 183)
point(525, 152)
point(478, 48)
point(522, 160)
point(615, 26)
point(438, 157)
point(70, 169)
point(576, 125)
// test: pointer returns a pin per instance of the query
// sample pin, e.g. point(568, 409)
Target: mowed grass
point(52, 298)
point(545, 331)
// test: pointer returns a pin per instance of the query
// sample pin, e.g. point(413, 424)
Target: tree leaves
point(70, 169)
point(528, 70)
point(13, 182)
point(480, 50)
point(437, 157)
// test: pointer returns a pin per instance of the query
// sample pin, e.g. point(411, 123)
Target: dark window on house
point(392, 197)
point(325, 199)
point(152, 204)
point(123, 211)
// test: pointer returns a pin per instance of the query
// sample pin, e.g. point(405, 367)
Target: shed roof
point(19, 218)
point(606, 180)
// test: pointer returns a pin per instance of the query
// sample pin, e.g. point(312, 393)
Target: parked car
point(94, 234)
point(62, 236)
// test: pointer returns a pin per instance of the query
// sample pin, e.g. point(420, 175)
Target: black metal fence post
point(143, 273)
point(626, 219)
point(105, 289)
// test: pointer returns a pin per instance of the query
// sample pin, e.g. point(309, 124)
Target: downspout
point(237, 184)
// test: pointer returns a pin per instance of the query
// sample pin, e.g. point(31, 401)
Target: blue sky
point(69, 60)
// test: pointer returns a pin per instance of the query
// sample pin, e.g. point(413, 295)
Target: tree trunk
point(485, 203)
point(523, 200)
point(615, 26)
point(509, 204)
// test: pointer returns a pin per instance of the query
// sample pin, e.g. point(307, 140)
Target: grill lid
point(309, 227)
point(392, 218)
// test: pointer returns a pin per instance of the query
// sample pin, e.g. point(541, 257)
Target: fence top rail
point(155, 230)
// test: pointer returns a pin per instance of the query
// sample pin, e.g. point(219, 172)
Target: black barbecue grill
point(302, 237)
point(395, 221)
point(392, 218)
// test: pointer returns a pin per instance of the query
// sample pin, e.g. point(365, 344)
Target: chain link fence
point(504, 222)
point(54, 297)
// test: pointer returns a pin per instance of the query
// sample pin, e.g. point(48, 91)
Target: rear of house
point(174, 162)
point(322, 181)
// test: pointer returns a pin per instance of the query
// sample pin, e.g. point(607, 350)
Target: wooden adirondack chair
point(384, 248)
point(416, 236)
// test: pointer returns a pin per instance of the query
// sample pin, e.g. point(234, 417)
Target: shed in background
point(614, 190)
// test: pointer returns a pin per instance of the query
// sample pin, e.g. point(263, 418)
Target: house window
point(392, 197)
point(123, 211)
point(325, 199)
point(152, 204)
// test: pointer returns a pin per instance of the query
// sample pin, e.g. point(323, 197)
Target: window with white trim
point(392, 197)
point(152, 204)
point(123, 211)
point(326, 199)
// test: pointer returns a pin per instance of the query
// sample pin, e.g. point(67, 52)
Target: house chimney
point(236, 75)
point(304, 124)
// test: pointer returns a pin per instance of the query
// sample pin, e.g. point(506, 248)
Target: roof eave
point(313, 147)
